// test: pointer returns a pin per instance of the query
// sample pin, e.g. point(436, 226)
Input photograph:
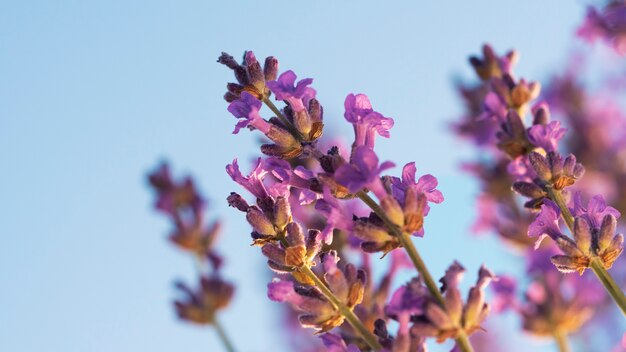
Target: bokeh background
point(93, 94)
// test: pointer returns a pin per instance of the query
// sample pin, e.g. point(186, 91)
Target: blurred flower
point(608, 24)
point(200, 306)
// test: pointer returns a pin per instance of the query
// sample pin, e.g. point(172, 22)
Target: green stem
point(609, 284)
point(561, 341)
point(283, 119)
point(596, 264)
point(348, 314)
point(557, 197)
point(462, 340)
point(228, 346)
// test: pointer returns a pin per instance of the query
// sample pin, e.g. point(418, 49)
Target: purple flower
point(558, 171)
point(347, 285)
point(608, 25)
point(595, 210)
point(366, 122)
point(199, 306)
point(174, 196)
point(250, 76)
point(254, 182)
point(285, 88)
point(337, 216)
point(363, 172)
point(408, 301)
point(504, 294)
point(444, 322)
point(546, 136)
point(283, 291)
point(247, 108)
point(413, 197)
point(494, 108)
point(426, 185)
point(334, 343)
point(491, 65)
point(300, 178)
point(538, 260)
point(546, 223)
point(521, 169)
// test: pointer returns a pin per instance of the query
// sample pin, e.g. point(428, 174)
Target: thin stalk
point(557, 197)
point(609, 284)
point(283, 119)
point(228, 346)
point(596, 264)
point(462, 341)
point(348, 314)
point(561, 341)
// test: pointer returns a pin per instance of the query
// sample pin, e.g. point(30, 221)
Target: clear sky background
point(94, 93)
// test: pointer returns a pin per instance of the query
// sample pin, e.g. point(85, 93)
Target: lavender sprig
point(295, 130)
point(181, 202)
point(543, 175)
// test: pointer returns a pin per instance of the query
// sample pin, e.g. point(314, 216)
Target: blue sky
point(94, 94)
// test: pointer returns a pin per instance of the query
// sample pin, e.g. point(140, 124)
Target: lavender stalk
point(228, 345)
point(289, 186)
point(462, 341)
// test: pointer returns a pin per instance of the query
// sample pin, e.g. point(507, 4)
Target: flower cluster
point(320, 213)
point(553, 303)
point(528, 159)
point(413, 303)
point(304, 217)
point(608, 24)
point(184, 206)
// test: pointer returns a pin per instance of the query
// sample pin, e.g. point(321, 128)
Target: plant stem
point(557, 197)
point(462, 340)
point(609, 284)
point(561, 341)
point(283, 119)
point(596, 264)
point(348, 314)
point(228, 346)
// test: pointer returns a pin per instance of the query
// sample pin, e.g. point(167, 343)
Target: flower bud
point(540, 165)
point(270, 69)
point(282, 213)
point(393, 210)
point(260, 223)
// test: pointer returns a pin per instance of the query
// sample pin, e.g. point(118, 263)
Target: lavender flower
point(556, 171)
point(337, 217)
point(546, 136)
point(250, 77)
point(298, 252)
point(247, 108)
point(595, 210)
point(366, 122)
point(285, 144)
point(406, 305)
point(590, 242)
point(492, 65)
point(319, 314)
point(285, 89)
point(374, 234)
point(173, 196)
point(184, 205)
point(334, 343)
point(303, 110)
point(413, 198)
point(546, 224)
point(363, 172)
point(201, 305)
point(609, 24)
point(446, 322)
